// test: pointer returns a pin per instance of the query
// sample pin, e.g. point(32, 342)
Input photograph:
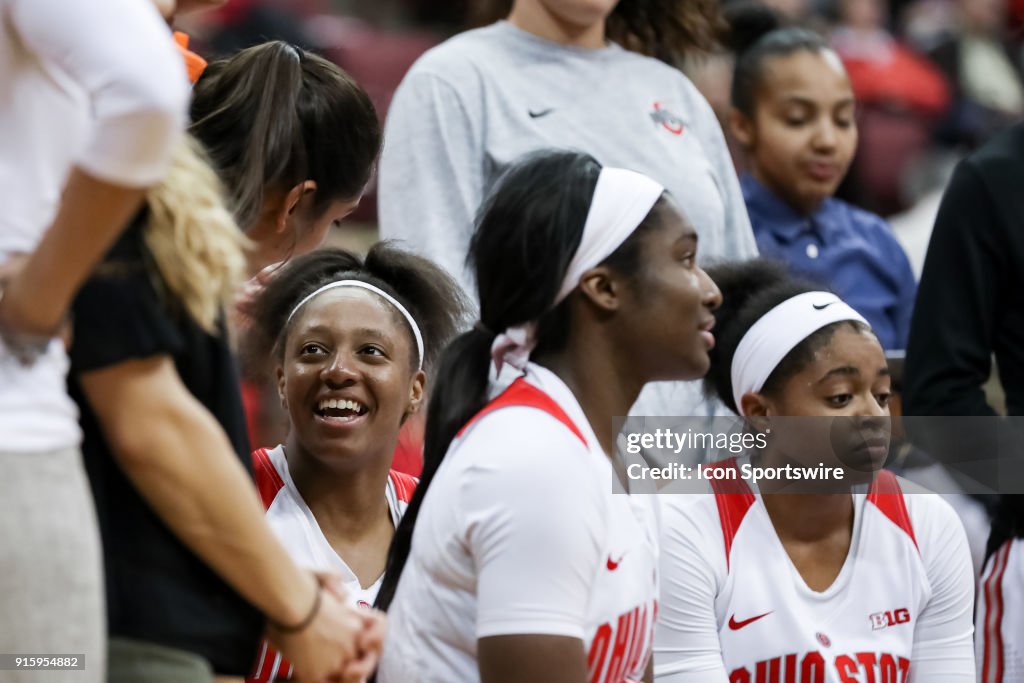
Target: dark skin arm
point(531, 659)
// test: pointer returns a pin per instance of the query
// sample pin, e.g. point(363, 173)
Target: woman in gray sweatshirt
point(557, 73)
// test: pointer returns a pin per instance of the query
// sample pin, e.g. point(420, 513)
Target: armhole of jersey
point(268, 481)
point(992, 628)
point(522, 393)
point(733, 498)
point(404, 485)
point(885, 493)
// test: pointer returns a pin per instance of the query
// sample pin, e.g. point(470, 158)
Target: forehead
point(347, 308)
point(850, 347)
point(672, 219)
point(810, 75)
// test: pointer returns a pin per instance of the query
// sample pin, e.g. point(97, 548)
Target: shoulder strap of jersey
point(405, 485)
point(733, 498)
point(885, 493)
point(522, 393)
point(268, 481)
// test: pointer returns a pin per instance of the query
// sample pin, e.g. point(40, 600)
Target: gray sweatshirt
point(471, 106)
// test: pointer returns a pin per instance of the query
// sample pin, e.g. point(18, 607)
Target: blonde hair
point(193, 238)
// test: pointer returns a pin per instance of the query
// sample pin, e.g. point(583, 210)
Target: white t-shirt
point(97, 84)
point(297, 529)
point(735, 609)
point(520, 533)
point(1000, 622)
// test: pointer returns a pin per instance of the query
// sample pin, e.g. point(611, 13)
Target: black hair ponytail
point(756, 33)
point(527, 233)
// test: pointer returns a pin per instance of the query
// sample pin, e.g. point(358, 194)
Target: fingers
point(370, 642)
point(332, 583)
point(375, 628)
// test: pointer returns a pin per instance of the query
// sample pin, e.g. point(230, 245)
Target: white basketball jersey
point(520, 533)
point(771, 627)
point(297, 529)
point(1000, 622)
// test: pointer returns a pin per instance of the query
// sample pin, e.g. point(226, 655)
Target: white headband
point(621, 201)
point(778, 332)
point(379, 292)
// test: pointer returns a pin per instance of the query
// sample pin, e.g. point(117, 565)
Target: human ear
point(602, 287)
point(754, 405)
point(417, 391)
point(417, 394)
point(742, 128)
point(292, 201)
point(281, 388)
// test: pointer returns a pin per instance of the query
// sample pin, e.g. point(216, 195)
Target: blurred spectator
point(881, 69)
point(899, 97)
point(92, 101)
point(794, 118)
point(979, 62)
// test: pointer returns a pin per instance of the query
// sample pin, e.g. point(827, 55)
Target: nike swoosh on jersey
point(537, 114)
point(614, 564)
point(737, 625)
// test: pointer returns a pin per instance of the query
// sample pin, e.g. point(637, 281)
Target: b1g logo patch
point(666, 119)
point(880, 620)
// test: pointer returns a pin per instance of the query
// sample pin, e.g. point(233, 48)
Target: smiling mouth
point(344, 410)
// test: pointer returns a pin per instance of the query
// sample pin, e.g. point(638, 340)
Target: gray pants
point(51, 575)
point(133, 661)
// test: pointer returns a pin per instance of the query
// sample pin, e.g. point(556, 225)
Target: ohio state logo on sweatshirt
point(666, 119)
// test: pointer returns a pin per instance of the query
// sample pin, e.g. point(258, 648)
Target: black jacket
point(970, 303)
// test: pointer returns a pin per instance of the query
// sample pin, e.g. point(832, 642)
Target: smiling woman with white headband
point(820, 585)
point(351, 341)
point(517, 562)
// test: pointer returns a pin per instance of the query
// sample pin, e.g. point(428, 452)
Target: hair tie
point(296, 52)
point(778, 332)
point(379, 292)
point(480, 327)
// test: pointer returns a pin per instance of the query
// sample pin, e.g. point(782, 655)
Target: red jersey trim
point(992, 590)
point(405, 485)
point(733, 498)
point(522, 393)
point(887, 496)
point(268, 481)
